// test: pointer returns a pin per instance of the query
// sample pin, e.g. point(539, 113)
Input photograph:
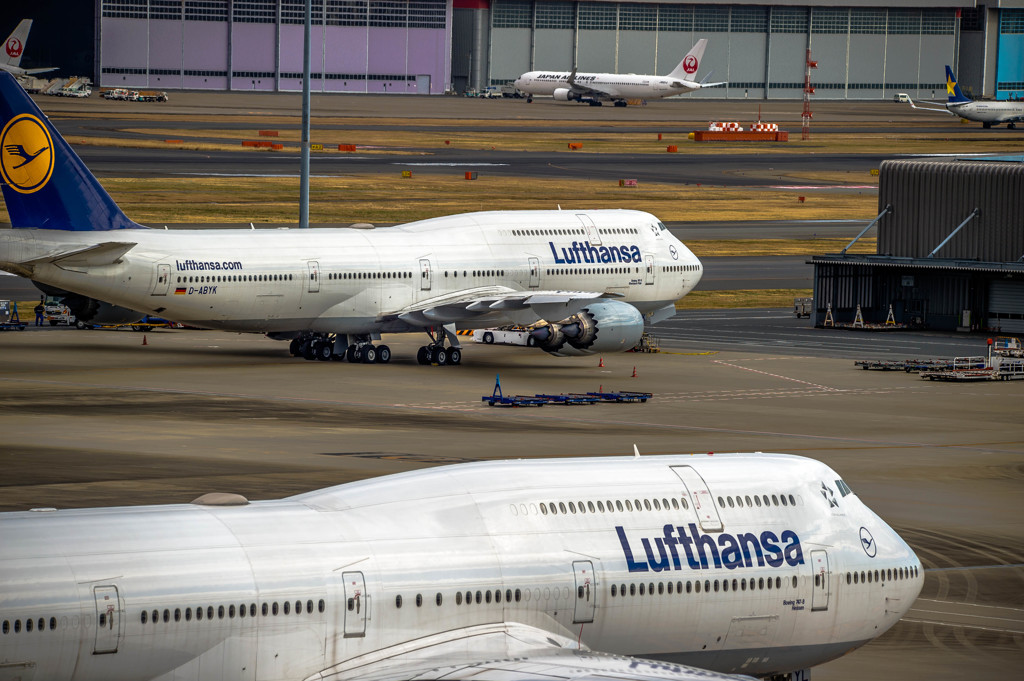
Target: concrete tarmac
point(100, 418)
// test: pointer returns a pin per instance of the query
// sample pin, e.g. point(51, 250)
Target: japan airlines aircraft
point(595, 88)
point(590, 280)
point(14, 47)
point(959, 104)
point(528, 570)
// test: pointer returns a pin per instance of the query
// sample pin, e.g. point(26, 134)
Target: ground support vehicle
point(505, 335)
point(9, 318)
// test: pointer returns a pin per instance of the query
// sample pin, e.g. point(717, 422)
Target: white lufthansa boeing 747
point(587, 280)
point(660, 568)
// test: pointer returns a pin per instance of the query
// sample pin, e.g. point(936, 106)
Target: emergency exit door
point(700, 497)
point(108, 620)
point(356, 604)
point(586, 591)
point(822, 580)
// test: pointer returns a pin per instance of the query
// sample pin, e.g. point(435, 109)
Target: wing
point(477, 302)
point(587, 91)
point(508, 652)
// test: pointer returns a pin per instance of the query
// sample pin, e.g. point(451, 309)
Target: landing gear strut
point(437, 353)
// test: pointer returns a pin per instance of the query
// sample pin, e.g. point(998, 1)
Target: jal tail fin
point(14, 46)
point(956, 95)
point(45, 184)
point(687, 68)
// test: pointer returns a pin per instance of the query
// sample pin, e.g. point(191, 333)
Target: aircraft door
point(593, 235)
point(700, 497)
point(314, 276)
point(163, 280)
point(822, 580)
point(586, 591)
point(108, 620)
point(356, 604)
point(534, 272)
point(424, 274)
point(649, 267)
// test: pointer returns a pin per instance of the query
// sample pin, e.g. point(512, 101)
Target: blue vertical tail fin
point(45, 184)
point(956, 95)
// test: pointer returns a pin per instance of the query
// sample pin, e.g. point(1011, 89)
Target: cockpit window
point(661, 226)
point(844, 489)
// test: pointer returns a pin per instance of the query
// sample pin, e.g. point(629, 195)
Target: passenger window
point(437, 599)
point(458, 598)
point(321, 606)
point(419, 600)
point(398, 601)
point(287, 607)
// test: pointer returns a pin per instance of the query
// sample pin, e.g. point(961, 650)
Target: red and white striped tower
point(805, 118)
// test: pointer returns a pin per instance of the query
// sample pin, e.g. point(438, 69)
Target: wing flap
point(507, 652)
point(470, 303)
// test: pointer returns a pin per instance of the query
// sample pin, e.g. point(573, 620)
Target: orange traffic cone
point(600, 364)
point(144, 340)
point(634, 372)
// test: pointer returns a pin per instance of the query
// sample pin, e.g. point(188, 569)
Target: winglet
point(45, 184)
point(636, 452)
point(956, 95)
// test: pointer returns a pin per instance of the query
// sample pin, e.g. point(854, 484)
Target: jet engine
point(564, 94)
point(606, 326)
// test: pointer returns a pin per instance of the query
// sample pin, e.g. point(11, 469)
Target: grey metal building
point(868, 51)
point(950, 252)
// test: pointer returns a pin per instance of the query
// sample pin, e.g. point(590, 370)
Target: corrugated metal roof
point(919, 263)
point(931, 198)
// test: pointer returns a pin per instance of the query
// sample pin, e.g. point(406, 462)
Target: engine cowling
point(563, 94)
point(606, 326)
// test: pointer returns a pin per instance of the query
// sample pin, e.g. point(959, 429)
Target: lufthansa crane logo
point(867, 542)
point(14, 48)
point(690, 64)
point(26, 154)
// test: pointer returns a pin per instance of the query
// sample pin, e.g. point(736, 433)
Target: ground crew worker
point(39, 313)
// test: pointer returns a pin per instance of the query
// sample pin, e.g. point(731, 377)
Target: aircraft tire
point(531, 342)
point(439, 356)
point(309, 352)
point(368, 354)
point(293, 347)
point(455, 356)
point(1011, 126)
point(350, 353)
point(488, 337)
point(423, 355)
point(325, 351)
point(383, 354)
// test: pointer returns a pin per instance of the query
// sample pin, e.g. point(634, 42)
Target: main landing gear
point(436, 353)
point(327, 347)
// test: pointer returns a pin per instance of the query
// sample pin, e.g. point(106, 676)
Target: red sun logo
point(690, 64)
point(14, 47)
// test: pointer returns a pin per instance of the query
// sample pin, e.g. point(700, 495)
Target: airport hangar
point(868, 51)
point(950, 252)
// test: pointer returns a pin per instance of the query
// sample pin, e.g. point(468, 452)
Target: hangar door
point(1006, 306)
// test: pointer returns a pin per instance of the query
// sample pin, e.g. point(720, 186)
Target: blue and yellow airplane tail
point(956, 96)
point(45, 184)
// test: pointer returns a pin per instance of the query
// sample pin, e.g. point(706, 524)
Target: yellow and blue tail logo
point(26, 154)
point(45, 184)
point(953, 90)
